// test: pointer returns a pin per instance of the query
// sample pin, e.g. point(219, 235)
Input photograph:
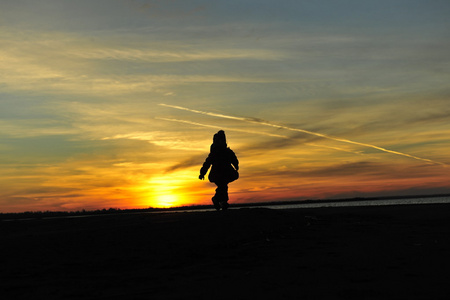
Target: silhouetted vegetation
point(59, 214)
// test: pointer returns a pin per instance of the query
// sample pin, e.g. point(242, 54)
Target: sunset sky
point(113, 103)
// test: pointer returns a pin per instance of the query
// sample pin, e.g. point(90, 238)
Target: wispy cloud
point(76, 64)
point(182, 55)
point(267, 123)
point(163, 139)
point(194, 161)
point(224, 128)
point(258, 133)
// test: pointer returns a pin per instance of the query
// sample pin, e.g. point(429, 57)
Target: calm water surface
point(405, 201)
point(425, 200)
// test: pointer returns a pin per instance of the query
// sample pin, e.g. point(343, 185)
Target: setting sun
point(168, 191)
point(168, 200)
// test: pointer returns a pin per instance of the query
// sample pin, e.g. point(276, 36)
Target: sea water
point(404, 201)
point(337, 203)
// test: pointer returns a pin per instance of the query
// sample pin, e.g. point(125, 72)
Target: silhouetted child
point(223, 171)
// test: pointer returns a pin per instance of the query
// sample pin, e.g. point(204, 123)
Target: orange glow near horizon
point(168, 200)
point(170, 190)
point(182, 188)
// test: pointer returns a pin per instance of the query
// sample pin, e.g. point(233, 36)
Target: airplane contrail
point(219, 127)
point(266, 123)
point(254, 132)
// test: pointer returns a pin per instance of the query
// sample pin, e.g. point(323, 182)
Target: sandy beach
point(386, 252)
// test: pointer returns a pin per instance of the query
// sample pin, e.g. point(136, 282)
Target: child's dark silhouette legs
point(220, 199)
point(216, 203)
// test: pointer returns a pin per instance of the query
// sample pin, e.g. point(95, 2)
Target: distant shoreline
point(31, 215)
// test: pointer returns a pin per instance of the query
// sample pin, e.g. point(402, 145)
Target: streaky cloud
point(335, 148)
point(255, 132)
point(172, 56)
point(221, 127)
point(267, 123)
point(190, 162)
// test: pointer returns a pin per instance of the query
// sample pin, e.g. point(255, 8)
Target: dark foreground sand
point(392, 252)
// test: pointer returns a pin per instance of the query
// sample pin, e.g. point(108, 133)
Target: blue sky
point(351, 99)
